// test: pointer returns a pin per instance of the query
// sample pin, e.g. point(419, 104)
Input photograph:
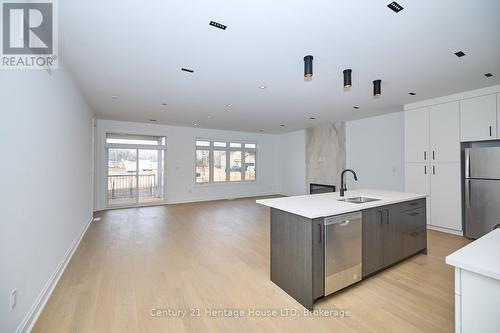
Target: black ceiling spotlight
point(377, 88)
point(187, 70)
point(308, 66)
point(411, 93)
point(347, 78)
point(459, 54)
point(488, 75)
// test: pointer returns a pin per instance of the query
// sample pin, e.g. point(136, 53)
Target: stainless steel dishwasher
point(342, 251)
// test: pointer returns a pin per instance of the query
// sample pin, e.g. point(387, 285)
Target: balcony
point(133, 189)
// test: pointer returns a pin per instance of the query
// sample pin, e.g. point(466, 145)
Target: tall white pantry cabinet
point(432, 152)
point(432, 156)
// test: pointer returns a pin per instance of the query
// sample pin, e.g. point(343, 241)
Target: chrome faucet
point(343, 186)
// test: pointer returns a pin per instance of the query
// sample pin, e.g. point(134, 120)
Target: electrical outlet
point(13, 299)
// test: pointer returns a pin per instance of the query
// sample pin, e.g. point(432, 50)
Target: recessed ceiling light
point(164, 104)
point(195, 124)
point(282, 125)
point(411, 93)
point(396, 7)
point(261, 130)
point(114, 97)
point(262, 87)
point(209, 116)
point(355, 107)
point(229, 105)
point(187, 70)
point(218, 25)
point(488, 75)
point(459, 54)
point(312, 118)
point(152, 120)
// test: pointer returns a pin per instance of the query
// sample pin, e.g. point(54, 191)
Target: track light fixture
point(347, 78)
point(308, 66)
point(377, 89)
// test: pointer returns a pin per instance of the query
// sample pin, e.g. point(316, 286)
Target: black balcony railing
point(131, 186)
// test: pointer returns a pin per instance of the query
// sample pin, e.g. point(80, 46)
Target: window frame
point(162, 162)
point(228, 149)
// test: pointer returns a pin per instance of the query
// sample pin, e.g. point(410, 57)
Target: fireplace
point(321, 188)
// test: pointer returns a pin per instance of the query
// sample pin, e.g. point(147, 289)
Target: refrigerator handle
point(467, 163)
point(467, 193)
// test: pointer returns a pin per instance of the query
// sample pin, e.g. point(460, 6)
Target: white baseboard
point(448, 231)
point(36, 309)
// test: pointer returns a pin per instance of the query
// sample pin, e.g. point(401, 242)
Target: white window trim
point(211, 148)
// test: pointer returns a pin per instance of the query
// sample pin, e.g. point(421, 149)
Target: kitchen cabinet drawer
point(412, 219)
point(413, 241)
point(420, 203)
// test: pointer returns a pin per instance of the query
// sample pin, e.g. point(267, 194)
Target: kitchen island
point(477, 284)
point(321, 243)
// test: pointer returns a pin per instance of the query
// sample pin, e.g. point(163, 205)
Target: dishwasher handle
point(342, 220)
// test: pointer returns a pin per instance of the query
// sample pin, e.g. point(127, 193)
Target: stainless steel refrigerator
point(481, 190)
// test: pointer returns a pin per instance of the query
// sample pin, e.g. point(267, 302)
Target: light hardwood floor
point(215, 255)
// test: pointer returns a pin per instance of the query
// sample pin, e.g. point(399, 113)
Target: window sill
point(247, 182)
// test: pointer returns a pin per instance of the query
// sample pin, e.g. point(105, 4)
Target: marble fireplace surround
point(325, 154)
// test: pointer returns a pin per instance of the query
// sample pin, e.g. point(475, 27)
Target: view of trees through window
point(219, 161)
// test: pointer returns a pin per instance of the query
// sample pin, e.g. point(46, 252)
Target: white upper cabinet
point(417, 135)
point(478, 118)
point(444, 129)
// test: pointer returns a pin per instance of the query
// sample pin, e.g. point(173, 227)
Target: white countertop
point(481, 256)
point(327, 204)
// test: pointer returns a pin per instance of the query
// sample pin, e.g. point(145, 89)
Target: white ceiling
point(135, 50)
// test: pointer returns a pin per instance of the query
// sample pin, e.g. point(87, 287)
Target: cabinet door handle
point(433, 169)
point(413, 214)
point(413, 204)
point(433, 155)
point(490, 130)
point(425, 155)
point(387, 218)
point(381, 217)
point(320, 234)
point(425, 169)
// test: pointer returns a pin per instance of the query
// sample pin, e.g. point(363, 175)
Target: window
point(219, 161)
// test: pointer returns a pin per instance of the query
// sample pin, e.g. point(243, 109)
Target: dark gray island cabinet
point(390, 233)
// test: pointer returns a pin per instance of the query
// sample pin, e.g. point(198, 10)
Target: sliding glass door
point(135, 170)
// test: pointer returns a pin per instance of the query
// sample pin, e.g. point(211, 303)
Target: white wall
point(180, 162)
point(291, 166)
point(46, 177)
point(375, 150)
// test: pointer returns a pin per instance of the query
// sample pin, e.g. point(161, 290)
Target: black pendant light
point(308, 66)
point(377, 89)
point(347, 78)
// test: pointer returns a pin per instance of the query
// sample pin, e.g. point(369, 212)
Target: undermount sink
point(358, 200)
